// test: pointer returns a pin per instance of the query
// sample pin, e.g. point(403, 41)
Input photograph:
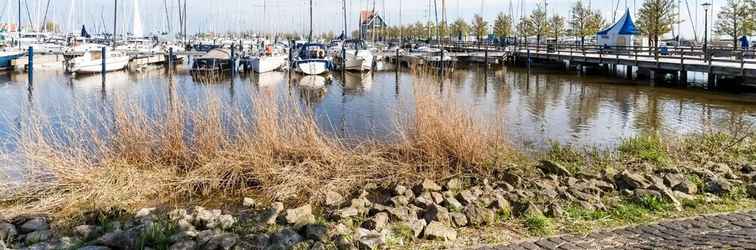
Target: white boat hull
point(312, 67)
point(111, 64)
point(362, 61)
point(268, 63)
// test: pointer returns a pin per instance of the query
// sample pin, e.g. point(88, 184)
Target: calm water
point(536, 107)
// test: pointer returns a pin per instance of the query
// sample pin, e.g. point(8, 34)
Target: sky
point(293, 15)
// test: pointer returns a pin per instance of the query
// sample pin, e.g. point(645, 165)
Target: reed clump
point(126, 158)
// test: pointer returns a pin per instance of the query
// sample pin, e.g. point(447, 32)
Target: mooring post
point(441, 70)
point(528, 62)
point(233, 59)
point(170, 58)
point(486, 58)
point(30, 67)
point(104, 63)
point(629, 72)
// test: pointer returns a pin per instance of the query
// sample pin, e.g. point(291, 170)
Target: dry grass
point(126, 158)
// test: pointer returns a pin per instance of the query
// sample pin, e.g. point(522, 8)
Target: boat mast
point(115, 22)
point(343, 5)
point(167, 16)
point(309, 39)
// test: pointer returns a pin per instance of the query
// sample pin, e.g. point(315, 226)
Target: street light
point(706, 29)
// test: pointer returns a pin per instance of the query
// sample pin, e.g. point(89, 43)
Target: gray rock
point(402, 213)
point(120, 239)
point(452, 204)
point(347, 212)
point(317, 232)
point(459, 219)
point(718, 186)
point(479, 216)
point(223, 241)
point(258, 241)
point(674, 179)
point(751, 190)
point(7, 232)
point(184, 245)
point(683, 196)
point(86, 231)
point(286, 237)
point(183, 235)
point(342, 243)
point(529, 209)
point(270, 215)
point(454, 184)
point(437, 230)
point(225, 221)
point(437, 213)
point(632, 181)
point(179, 214)
point(398, 201)
point(400, 190)
point(369, 240)
point(466, 197)
point(37, 236)
point(552, 167)
point(204, 236)
point(333, 199)
point(686, 186)
point(377, 222)
point(107, 248)
point(437, 197)
point(249, 202)
point(429, 185)
point(417, 226)
point(34, 224)
point(185, 225)
point(639, 194)
point(554, 210)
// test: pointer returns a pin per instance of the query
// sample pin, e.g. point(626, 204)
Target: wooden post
point(30, 67)
point(170, 60)
point(104, 63)
point(233, 59)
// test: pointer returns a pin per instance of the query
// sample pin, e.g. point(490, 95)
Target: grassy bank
point(126, 158)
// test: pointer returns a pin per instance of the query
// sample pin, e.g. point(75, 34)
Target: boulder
point(378, 221)
point(183, 245)
point(258, 241)
point(270, 215)
point(222, 241)
point(317, 232)
point(185, 225)
point(437, 213)
point(632, 181)
point(429, 185)
point(751, 190)
point(554, 210)
point(34, 224)
point(454, 184)
point(437, 197)
point(347, 212)
point(400, 190)
point(552, 167)
point(718, 186)
point(249, 202)
point(120, 239)
point(144, 212)
point(479, 216)
point(86, 231)
point(371, 240)
point(639, 194)
point(686, 186)
point(398, 201)
point(179, 214)
point(466, 197)
point(437, 230)
point(417, 226)
point(225, 221)
point(453, 204)
point(300, 216)
point(674, 179)
point(183, 235)
point(333, 199)
point(7, 232)
point(37, 236)
point(286, 237)
point(459, 219)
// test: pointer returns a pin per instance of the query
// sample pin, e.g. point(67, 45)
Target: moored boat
point(91, 62)
point(312, 60)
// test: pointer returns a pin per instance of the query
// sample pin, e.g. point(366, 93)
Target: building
point(370, 21)
point(622, 33)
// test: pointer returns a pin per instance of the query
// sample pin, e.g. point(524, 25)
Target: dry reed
point(126, 158)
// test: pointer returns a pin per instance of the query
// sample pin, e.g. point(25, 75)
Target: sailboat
point(91, 62)
point(357, 56)
point(312, 58)
point(273, 58)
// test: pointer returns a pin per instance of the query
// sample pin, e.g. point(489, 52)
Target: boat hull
point(313, 67)
point(359, 62)
point(267, 64)
point(111, 64)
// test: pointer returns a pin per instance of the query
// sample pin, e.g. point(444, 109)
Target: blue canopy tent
point(619, 34)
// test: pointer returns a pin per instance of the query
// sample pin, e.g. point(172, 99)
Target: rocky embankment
point(383, 217)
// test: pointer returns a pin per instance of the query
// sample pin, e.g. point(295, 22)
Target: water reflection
point(536, 107)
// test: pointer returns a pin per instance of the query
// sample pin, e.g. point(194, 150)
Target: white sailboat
point(136, 26)
point(267, 63)
point(91, 62)
point(357, 56)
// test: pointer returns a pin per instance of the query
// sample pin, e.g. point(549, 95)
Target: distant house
point(620, 33)
point(369, 21)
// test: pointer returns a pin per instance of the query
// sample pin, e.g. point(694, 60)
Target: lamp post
point(706, 30)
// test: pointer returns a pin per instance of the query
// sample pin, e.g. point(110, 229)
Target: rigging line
point(44, 20)
point(28, 14)
point(692, 24)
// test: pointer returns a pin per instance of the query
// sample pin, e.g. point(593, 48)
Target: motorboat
point(357, 56)
point(214, 60)
point(92, 62)
point(8, 55)
point(271, 59)
point(312, 59)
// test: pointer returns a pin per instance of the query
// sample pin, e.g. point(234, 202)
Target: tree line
point(654, 19)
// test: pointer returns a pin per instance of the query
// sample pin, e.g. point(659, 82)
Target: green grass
point(503, 215)
point(157, 236)
point(648, 148)
point(401, 235)
point(539, 225)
